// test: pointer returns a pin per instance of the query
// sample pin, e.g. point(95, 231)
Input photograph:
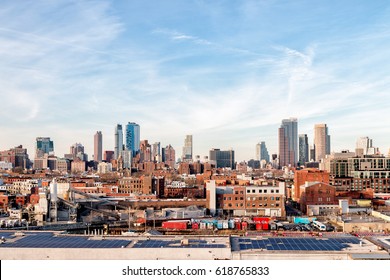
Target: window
point(253, 191)
point(248, 191)
point(277, 191)
point(320, 199)
point(277, 198)
point(265, 191)
point(272, 191)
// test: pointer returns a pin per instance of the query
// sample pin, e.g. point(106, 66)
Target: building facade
point(303, 149)
point(187, 149)
point(321, 141)
point(133, 138)
point(98, 146)
point(118, 140)
point(222, 159)
point(288, 142)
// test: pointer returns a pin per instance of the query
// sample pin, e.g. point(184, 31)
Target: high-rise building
point(77, 151)
point(118, 140)
point(364, 144)
point(98, 146)
point(43, 146)
point(169, 156)
point(222, 159)
point(288, 142)
point(145, 151)
point(133, 137)
point(303, 149)
point(108, 156)
point(187, 149)
point(17, 156)
point(321, 141)
point(156, 152)
point(262, 152)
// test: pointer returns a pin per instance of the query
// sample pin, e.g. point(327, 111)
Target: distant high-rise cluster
point(364, 147)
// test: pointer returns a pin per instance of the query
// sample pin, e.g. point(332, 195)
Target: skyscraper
point(43, 146)
point(365, 145)
point(288, 142)
point(303, 149)
point(98, 146)
point(169, 156)
point(187, 149)
point(262, 152)
point(321, 141)
point(156, 152)
point(133, 137)
point(118, 140)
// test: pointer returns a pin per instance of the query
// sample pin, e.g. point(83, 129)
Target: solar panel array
point(294, 244)
point(176, 244)
point(47, 240)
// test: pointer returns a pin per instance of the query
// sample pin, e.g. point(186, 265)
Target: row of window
point(253, 205)
point(261, 191)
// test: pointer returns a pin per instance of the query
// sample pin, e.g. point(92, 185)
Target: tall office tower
point(43, 146)
point(77, 151)
point(288, 142)
point(98, 146)
point(321, 141)
point(169, 156)
point(125, 156)
point(365, 145)
point(264, 155)
point(145, 151)
point(118, 140)
point(312, 153)
point(133, 137)
point(187, 149)
point(303, 149)
point(76, 148)
point(156, 152)
point(222, 158)
point(262, 152)
point(258, 151)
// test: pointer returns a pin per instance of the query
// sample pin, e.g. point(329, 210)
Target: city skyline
point(71, 69)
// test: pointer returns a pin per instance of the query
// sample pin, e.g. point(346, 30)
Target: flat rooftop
point(294, 243)
point(55, 245)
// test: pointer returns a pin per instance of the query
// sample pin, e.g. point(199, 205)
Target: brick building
point(317, 193)
point(307, 175)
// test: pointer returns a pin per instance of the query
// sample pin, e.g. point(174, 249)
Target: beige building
point(321, 141)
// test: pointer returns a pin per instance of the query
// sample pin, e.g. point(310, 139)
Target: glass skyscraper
point(133, 137)
point(288, 142)
point(118, 140)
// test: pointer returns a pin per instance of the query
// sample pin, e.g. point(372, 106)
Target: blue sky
point(226, 72)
